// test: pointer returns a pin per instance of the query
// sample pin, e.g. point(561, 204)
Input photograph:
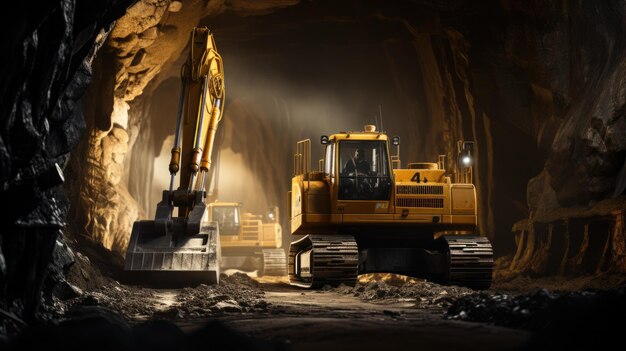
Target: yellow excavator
point(186, 248)
point(249, 242)
point(360, 212)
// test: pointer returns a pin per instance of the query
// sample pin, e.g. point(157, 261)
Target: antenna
point(380, 110)
point(376, 121)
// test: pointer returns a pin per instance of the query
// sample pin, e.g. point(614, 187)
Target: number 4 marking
point(416, 177)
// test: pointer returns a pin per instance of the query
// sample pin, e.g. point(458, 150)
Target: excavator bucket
point(174, 252)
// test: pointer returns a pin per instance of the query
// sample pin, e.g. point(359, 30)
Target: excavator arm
point(200, 111)
point(186, 247)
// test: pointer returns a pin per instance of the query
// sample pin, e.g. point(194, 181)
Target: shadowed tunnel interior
point(90, 97)
point(437, 73)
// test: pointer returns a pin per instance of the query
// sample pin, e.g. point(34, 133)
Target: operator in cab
point(357, 163)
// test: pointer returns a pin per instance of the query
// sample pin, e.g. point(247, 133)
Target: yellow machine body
point(248, 241)
point(357, 214)
point(418, 197)
point(244, 230)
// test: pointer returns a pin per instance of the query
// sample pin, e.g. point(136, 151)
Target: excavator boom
point(203, 79)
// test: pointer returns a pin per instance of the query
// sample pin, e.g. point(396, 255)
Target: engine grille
point(419, 189)
point(250, 230)
point(419, 202)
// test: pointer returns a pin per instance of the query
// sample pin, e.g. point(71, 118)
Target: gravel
point(392, 288)
point(541, 309)
point(236, 294)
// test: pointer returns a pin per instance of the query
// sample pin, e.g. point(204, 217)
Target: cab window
point(227, 218)
point(364, 170)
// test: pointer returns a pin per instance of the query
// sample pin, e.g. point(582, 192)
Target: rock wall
point(46, 68)
point(570, 59)
point(552, 83)
point(583, 241)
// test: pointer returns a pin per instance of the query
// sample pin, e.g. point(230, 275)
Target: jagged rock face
point(570, 61)
point(110, 208)
point(48, 50)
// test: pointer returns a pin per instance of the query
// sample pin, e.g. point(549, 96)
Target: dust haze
point(280, 90)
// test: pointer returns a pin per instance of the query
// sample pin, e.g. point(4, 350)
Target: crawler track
point(334, 260)
point(470, 261)
point(274, 262)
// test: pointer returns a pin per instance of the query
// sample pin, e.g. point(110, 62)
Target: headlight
point(467, 160)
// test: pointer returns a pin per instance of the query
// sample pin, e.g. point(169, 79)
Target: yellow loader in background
point(249, 242)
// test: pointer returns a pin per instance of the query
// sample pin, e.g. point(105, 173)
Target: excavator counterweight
point(186, 248)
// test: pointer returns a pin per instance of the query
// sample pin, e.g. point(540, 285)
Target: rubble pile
point(395, 289)
point(541, 310)
point(131, 302)
point(235, 294)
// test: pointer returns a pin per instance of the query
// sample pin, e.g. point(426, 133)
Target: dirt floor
point(375, 314)
point(381, 311)
point(370, 316)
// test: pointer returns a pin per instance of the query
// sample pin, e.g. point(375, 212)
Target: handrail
point(302, 158)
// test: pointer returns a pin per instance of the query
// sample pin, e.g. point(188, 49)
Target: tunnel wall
point(48, 49)
point(582, 244)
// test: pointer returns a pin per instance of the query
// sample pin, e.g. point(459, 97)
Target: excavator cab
point(227, 216)
point(249, 242)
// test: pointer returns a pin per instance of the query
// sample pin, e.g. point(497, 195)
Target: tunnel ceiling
point(538, 86)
